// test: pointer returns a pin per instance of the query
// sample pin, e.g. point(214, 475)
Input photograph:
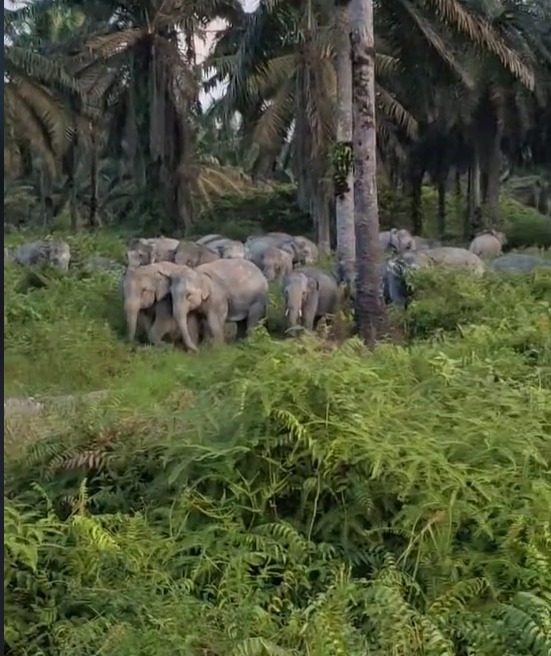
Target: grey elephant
point(142, 251)
point(519, 263)
point(158, 323)
point(224, 247)
point(257, 244)
point(193, 254)
point(308, 252)
point(309, 294)
point(397, 241)
point(449, 257)
point(143, 287)
point(274, 263)
point(56, 253)
point(396, 289)
point(423, 244)
point(228, 290)
point(488, 244)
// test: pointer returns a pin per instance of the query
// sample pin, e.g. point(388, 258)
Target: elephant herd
point(186, 291)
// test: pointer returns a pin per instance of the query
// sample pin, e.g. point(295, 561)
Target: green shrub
point(291, 498)
point(525, 227)
point(279, 496)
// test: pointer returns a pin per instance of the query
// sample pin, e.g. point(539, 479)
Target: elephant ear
point(312, 285)
point(162, 285)
point(204, 284)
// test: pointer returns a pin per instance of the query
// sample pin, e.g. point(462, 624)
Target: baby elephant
point(56, 253)
point(309, 295)
point(158, 323)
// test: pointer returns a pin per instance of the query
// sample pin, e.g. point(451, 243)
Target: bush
point(280, 496)
point(525, 227)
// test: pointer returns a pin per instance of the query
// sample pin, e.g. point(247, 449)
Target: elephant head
point(301, 300)
point(400, 240)
point(142, 288)
point(189, 290)
point(140, 253)
point(60, 255)
point(500, 236)
point(232, 249)
point(308, 251)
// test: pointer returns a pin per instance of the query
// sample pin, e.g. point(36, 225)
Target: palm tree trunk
point(344, 209)
point(370, 308)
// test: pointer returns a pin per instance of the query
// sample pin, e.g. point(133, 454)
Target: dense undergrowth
point(280, 496)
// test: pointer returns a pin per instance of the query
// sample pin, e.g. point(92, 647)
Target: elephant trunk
point(294, 309)
point(181, 312)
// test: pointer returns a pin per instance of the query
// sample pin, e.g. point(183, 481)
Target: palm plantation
point(333, 508)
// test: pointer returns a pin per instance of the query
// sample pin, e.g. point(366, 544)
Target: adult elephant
point(309, 294)
point(519, 263)
point(488, 244)
point(142, 288)
point(56, 253)
point(226, 290)
point(396, 241)
point(224, 247)
point(256, 245)
point(396, 289)
point(308, 251)
point(274, 263)
point(142, 252)
point(193, 254)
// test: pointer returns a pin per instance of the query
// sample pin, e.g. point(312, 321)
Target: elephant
point(423, 244)
point(255, 245)
point(519, 263)
point(308, 252)
point(488, 244)
point(450, 257)
point(56, 253)
point(193, 254)
point(274, 263)
point(226, 290)
point(144, 286)
point(224, 247)
point(309, 295)
point(208, 238)
point(158, 323)
point(396, 240)
point(396, 289)
point(149, 251)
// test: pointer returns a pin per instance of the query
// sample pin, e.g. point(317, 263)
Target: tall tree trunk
point(344, 207)
point(493, 171)
point(370, 307)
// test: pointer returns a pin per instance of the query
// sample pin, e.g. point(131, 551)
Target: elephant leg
point(160, 328)
point(257, 312)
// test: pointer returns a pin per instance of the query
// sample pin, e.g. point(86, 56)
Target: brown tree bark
point(370, 307)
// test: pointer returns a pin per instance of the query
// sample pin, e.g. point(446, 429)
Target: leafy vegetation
point(280, 496)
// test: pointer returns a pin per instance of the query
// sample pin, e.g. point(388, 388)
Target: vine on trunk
point(341, 157)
